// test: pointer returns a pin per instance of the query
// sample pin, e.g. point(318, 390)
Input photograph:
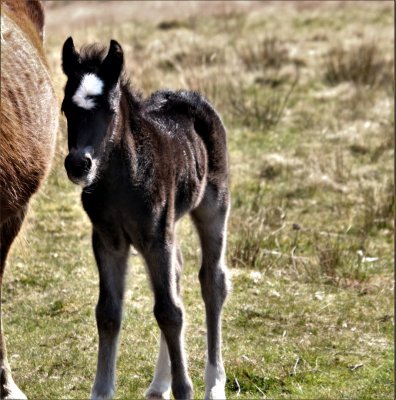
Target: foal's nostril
point(88, 162)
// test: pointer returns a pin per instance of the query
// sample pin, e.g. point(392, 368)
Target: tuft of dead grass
point(378, 208)
point(258, 106)
point(361, 64)
point(338, 261)
point(269, 52)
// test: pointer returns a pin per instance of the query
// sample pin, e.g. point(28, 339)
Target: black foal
point(143, 164)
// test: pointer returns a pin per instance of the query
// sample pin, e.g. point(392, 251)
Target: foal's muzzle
point(78, 165)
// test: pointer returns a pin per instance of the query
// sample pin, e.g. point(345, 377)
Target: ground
point(306, 91)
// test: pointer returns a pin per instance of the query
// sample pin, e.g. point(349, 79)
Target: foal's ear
point(70, 57)
point(113, 63)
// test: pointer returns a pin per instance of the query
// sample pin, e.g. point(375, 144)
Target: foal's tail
point(208, 125)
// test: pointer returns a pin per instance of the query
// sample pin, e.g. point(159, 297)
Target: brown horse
point(29, 121)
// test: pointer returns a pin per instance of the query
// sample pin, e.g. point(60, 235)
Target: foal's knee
point(108, 317)
point(168, 315)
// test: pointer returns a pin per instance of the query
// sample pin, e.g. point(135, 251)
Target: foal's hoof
point(99, 397)
point(10, 391)
point(102, 394)
point(216, 393)
point(153, 394)
point(215, 381)
point(183, 390)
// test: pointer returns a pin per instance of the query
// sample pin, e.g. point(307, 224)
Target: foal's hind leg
point(8, 232)
point(168, 310)
point(111, 259)
point(160, 387)
point(210, 218)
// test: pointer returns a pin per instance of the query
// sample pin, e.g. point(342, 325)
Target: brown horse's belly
point(29, 119)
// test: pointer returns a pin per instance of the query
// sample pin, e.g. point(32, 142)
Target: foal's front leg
point(112, 264)
point(160, 387)
point(163, 268)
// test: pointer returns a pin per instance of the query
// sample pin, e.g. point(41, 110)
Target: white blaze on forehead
point(90, 85)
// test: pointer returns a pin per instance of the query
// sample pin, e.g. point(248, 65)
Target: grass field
point(306, 92)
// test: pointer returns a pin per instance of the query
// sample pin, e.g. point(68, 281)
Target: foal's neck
point(123, 144)
point(127, 115)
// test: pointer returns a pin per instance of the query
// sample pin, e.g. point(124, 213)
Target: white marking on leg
point(12, 390)
point(90, 85)
point(215, 380)
point(160, 387)
point(104, 385)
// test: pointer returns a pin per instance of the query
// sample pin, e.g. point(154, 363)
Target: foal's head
point(92, 95)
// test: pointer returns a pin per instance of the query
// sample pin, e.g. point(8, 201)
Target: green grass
point(311, 228)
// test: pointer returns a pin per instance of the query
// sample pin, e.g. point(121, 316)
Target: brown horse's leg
point(8, 231)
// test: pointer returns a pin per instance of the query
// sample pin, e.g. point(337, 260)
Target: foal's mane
point(93, 53)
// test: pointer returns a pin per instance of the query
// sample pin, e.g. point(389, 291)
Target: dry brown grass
point(257, 106)
point(362, 64)
point(269, 52)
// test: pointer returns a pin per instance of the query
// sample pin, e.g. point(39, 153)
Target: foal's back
point(191, 135)
point(184, 149)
